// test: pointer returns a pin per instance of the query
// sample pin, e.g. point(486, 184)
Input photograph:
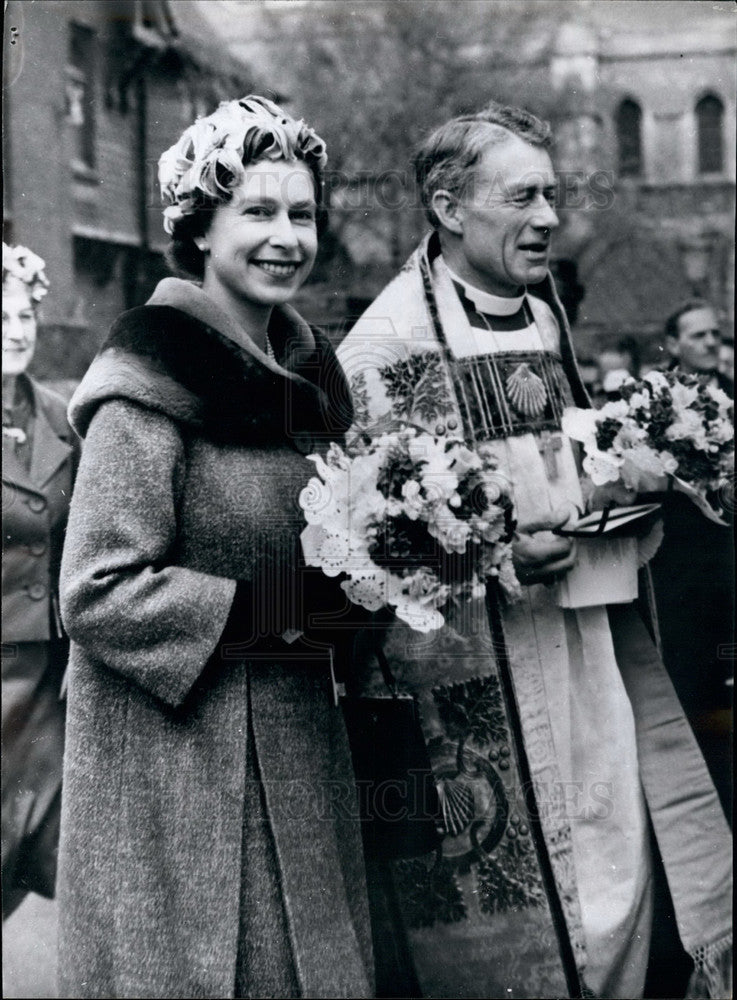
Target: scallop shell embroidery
point(526, 391)
point(457, 805)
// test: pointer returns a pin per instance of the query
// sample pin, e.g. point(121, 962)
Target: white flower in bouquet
point(657, 380)
point(666, 430)
point(640, 401)
point(683, 396)
point(452, 534)
point(417, 597)
point(601, 467)
point(412, 499)
point(411, 521)
point(689, 427)
point(581, 425)
point(645, 470)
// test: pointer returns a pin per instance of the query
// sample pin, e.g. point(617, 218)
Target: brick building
point(642, 96)
point(94, 92)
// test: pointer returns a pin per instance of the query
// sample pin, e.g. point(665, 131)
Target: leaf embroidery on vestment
point(428, 892)
point(508, 879)
point(418, 385)
point(359, 393)
point(472, 708)
point(486, 828)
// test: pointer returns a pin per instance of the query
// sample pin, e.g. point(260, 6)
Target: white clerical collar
point(485, 302)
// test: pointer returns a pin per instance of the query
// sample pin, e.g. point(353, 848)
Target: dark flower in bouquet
point(411, 521)
point(667, 430)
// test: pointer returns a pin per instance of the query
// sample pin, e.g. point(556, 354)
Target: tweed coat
point(35, 507)
point(209, 836)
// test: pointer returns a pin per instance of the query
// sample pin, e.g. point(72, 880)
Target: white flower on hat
point(28, 267)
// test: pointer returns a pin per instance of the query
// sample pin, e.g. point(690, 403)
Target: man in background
point(693, 573)
point(693, 340)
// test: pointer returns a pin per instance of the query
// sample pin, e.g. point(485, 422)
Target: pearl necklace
point(269, 349)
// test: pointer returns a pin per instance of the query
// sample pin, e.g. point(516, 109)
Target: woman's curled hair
point(201, 171)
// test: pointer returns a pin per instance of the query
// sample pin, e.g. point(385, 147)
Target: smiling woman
point(209, 847)
point(261, 246)
point(38, 463)
point(244, 226)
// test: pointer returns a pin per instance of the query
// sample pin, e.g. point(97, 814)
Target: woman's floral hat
point(208, 161)
point(28, 267)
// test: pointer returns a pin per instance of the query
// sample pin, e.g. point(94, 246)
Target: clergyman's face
point(19, 327)
point(696, 347)
point(507, 218)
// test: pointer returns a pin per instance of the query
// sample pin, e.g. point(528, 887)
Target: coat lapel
point(49, 450)
point(13, 471)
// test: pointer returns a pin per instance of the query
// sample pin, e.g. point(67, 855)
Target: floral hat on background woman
point(28, 267)
point(203, 168)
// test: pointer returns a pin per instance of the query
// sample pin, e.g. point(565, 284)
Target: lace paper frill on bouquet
point(411, 521)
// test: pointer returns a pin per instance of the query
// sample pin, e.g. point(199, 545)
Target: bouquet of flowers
point(412, 521)
point(666, 431)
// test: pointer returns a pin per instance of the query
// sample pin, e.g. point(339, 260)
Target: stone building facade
point(654, 109)
point(642, 98)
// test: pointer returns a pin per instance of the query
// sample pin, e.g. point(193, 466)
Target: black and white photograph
point(368, 571)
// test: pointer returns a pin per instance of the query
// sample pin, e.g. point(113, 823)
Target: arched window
point(709, 116)
point(629, 138)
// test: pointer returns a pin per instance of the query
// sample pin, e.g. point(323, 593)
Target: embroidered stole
point(497, 907)
point(505, 712)
point(562, 663)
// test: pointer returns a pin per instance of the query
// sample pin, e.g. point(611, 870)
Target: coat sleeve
point(121, 600)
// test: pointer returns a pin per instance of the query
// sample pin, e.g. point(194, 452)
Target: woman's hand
point(540, 556)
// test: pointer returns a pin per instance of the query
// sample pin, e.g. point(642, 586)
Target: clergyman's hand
point(609, 495)
point(539, 556)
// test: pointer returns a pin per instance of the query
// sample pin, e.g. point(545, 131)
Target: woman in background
point(209, 847)
point(38, 464)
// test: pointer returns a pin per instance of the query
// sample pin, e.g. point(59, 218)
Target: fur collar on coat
point(182, 355)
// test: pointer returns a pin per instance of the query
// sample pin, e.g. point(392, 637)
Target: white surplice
point(590, 713)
